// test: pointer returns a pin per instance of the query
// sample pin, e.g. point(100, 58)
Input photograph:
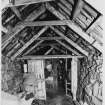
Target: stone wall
point(90, 76)
point(12, 75)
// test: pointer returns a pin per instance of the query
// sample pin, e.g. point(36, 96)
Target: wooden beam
point(37, 44)
point(16, 11)
point(72, 26)
point(70, 41)
point(77, 8)
point(29, 42)
point(67, 47)
point(49, 57)
point(46, 23)
point(11, 3)
point(50, 38)
point(20, 27)
point(49, 51)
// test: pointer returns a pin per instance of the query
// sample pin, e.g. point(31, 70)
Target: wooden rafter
point(70, 41)
point(20, 27)
point(72, 26)
point(49, 51)
point(45, 23)
point(36, 45)
point(12, 51)
point(11, 3)
point(16, 11)
point(49, 57)
point(29, 42)
point(67, 47)
point(77, 8)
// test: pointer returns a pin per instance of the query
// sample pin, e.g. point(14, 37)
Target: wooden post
point(66, 72)
point(74, 77)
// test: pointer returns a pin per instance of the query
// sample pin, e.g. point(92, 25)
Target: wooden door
point(36, 67)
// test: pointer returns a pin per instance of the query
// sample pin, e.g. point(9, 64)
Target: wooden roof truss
point(74, 28)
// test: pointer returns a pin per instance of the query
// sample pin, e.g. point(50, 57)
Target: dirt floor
point(58, 98)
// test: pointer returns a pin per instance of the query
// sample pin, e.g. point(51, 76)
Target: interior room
point(51, 52)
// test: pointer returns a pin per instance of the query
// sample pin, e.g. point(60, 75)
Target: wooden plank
point(67, 47)
point(49, 51)
point(16, 11)
point(67, 11)
point(28, 51)
point(49, 57)
point(70, 41)
point(8, 3)
point(20, 27)
point(67, 4)
point(90, 10)
point(50, 38)
point(77, 8)
point(29, 42)
point(45, 23)
point(72, 26)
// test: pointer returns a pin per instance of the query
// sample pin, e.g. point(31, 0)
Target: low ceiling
point(54, 27)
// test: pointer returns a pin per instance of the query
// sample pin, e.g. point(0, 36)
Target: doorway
point(61, 74)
